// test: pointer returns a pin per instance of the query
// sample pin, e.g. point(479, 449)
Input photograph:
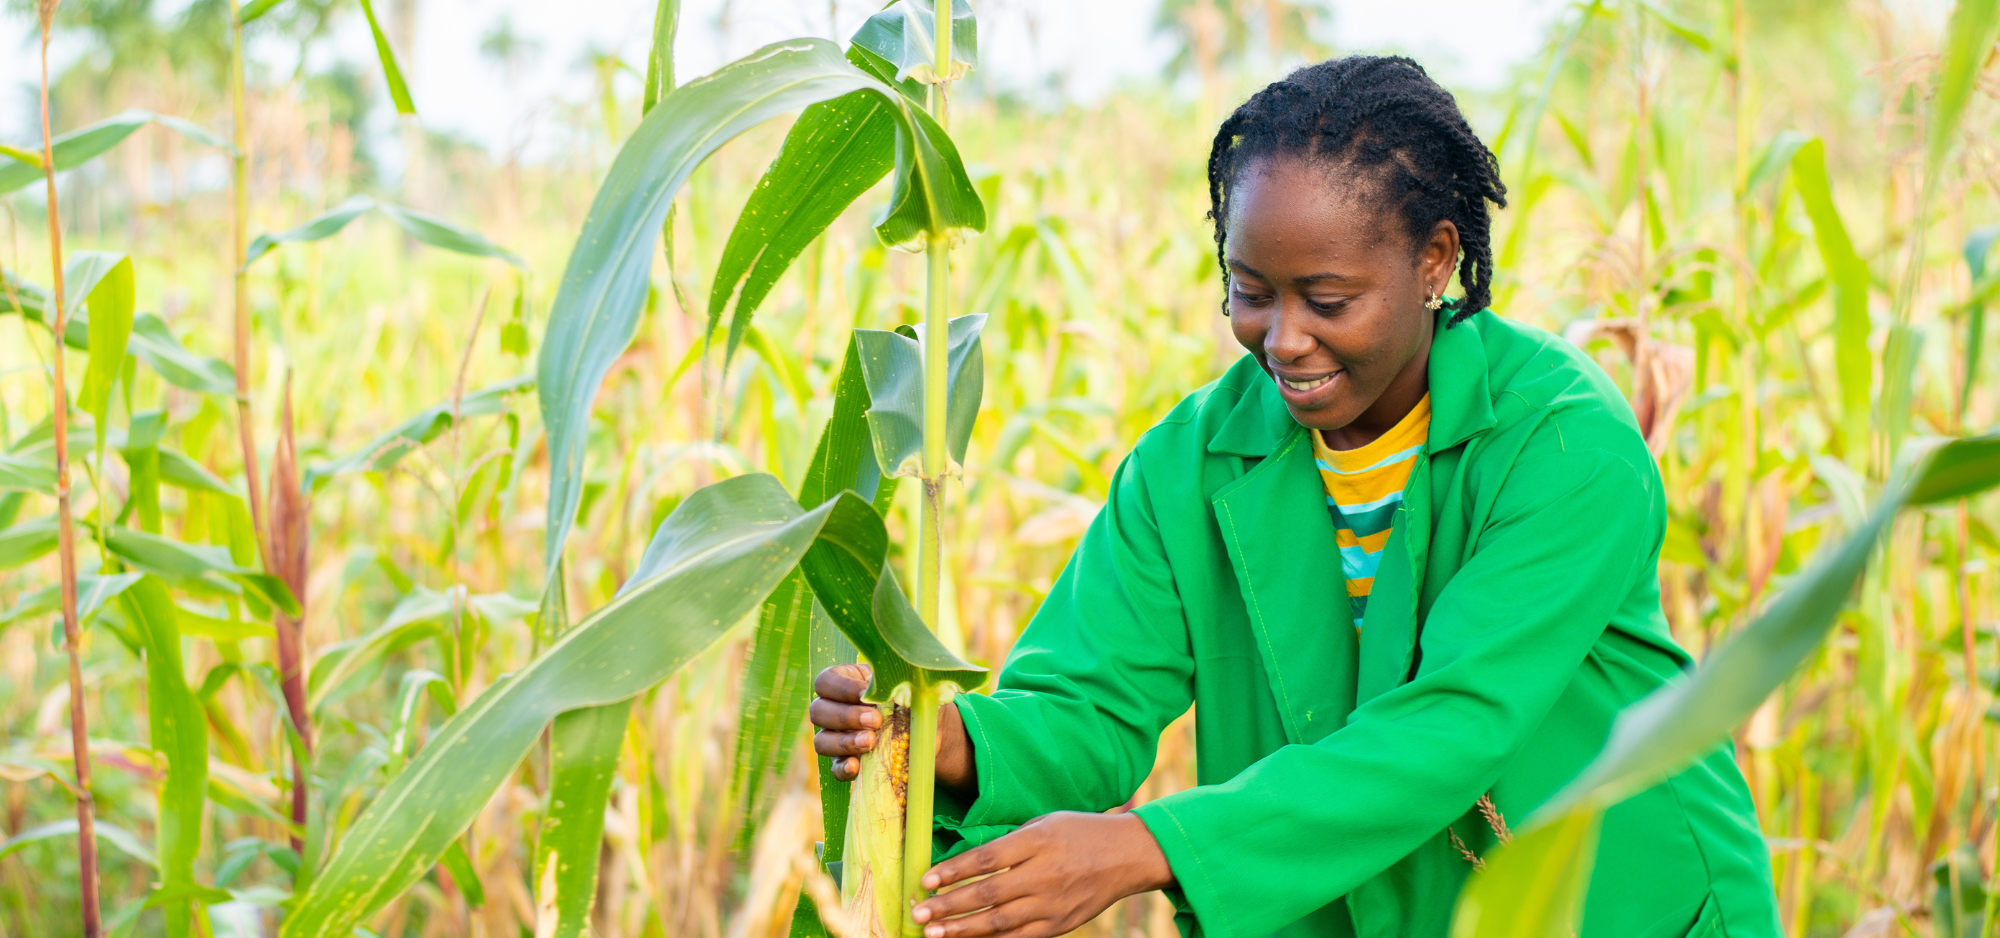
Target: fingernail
point(934, 931)
point(931, 881)
point(871, 718)
point(922, 913)
point(867, 738)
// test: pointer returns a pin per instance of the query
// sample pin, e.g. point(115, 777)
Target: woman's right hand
point(847, 727)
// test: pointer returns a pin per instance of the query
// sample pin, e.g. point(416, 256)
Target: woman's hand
point(848, 728)
point(1048, 878)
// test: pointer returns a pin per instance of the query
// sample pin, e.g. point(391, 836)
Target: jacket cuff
point(1198, 893)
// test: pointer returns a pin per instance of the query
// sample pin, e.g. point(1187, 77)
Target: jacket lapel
point(1280, 541)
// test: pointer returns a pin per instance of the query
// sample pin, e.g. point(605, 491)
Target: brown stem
point(79, 731)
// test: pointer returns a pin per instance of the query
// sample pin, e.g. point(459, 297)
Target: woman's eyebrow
point(1314, 278)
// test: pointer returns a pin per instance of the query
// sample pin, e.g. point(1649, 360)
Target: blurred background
point(1655, 218)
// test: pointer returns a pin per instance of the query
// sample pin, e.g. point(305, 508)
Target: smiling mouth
point(1309, 384)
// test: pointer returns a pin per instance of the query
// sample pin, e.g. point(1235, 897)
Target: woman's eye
point(1250, 297)
point(1327, 306)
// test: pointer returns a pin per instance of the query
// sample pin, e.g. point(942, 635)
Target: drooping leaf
point(427, 229)
point(179, 738)
point(80, 146)
point(583, 759)
point(860, 594)
point(177, 560)
point(1968, 44)
point(905, 35)
point(711, 563)
point(385, 450)
point(1676, 724)
point(439, 233)
point(605, 285)
point(1853, 363)
point(63, 831)
point(893, 363)
point(392, 74)
point(1533, 887)
point(1775, 158)
point(415, 617)
point(836, 151)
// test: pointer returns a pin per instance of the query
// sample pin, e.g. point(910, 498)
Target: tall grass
point(1655, 217)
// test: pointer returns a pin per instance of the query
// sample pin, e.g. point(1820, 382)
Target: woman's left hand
point(1048, 878)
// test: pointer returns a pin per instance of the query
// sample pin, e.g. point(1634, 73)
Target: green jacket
point(1516, 610)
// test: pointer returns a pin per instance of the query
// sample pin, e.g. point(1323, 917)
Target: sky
point(1085, 49)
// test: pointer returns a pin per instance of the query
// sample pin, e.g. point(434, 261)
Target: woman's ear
point(1438, 257)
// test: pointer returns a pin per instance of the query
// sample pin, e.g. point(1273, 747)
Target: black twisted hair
point(1382, 121)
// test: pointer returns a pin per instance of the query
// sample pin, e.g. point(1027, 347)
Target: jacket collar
point(1461, 396)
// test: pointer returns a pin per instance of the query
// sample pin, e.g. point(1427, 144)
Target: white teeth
point(1305, 385)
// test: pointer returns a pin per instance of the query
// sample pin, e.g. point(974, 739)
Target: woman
point(1401, 558)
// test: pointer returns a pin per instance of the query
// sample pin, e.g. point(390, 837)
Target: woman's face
point(1328, 292)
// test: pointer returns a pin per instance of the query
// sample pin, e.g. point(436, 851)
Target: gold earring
point(1435, 302)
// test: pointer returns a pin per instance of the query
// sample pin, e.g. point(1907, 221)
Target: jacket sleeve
point(1104, 667)
point(1568, 536)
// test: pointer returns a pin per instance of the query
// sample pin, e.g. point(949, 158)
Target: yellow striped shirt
point(1364, 487)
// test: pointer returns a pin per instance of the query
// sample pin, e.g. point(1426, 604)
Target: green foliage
point(893, 363)
point(84, 144)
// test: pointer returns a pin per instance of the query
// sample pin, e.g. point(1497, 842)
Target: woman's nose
point(1287, 342)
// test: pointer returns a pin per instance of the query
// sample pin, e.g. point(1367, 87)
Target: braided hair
point(1382, 121)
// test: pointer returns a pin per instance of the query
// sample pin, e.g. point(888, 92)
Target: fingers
point(1016, 919)
point(831, 743)
point(847, 769)
point(992, 858)
point(843, 682)
point(834, 715)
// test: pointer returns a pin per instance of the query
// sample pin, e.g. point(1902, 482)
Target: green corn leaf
point(155, 345)
point(415, 618)
point(84, 144)
point(893, 363)
point(179, 735)
point(605, 285)
point(392, 74)
point(439, 233)
point(325, 225)
point(660, 58)
point(27, 475)
point(427, 229)
point(860, 594)
point(836, 151)
point(255, 10)
point(416, 684)
point(92, 592)
point(583, 759)
point(176, 560)
point(777, 687)
point(110, 296)
point(22, 156)
point(1849, 275)
point(385, 450)
point(1959, 469)
point(1776, 157)
point(1899, 371)
point(905, 35)
point(713, 561)
point(1674, 725)
point(1978, 245)
point(26, 541)
point(459, 864)
point(1968, 42)
point(1688, 33)
point(127, 842)
point(1532, 887)
point(181, 471)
